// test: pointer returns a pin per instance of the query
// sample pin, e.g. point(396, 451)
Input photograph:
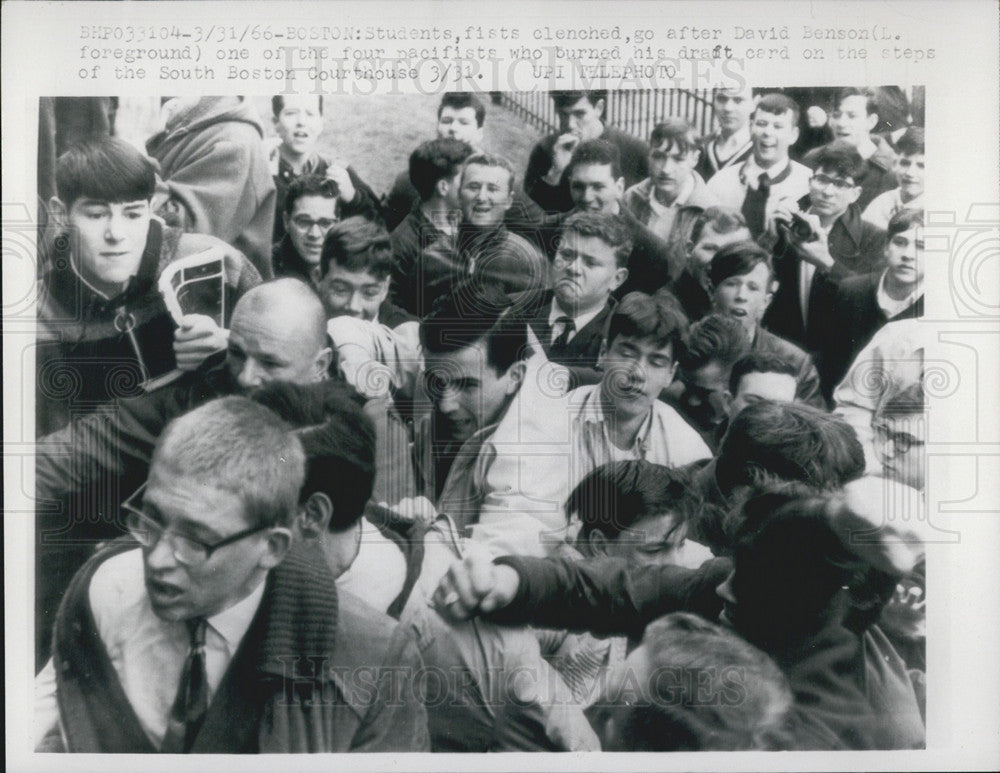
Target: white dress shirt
point(147, 653)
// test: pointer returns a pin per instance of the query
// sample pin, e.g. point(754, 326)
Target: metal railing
point(633, 111)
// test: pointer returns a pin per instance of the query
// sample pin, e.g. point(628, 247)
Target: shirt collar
point(682, 198)
point(232, 623)
point(579, 321)
point(751, 172)
point(891, 307)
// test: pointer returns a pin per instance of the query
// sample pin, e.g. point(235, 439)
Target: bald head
point(278, 333)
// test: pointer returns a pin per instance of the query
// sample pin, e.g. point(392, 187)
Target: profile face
point(109, 239)
point(299, 123)
point(485, 194)
point(586, 271)
point(308, 223)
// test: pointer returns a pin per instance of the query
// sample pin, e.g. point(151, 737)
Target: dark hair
point(722, 219)
point(459, 100)
point(475, 311)
point(493, 160)
point(871, 98)
point(738, 259)
point(790, 563)
point(104, 169)
point(706, 659)
point(715, 338)
point(904, 220)
point(677, 133)
point(310, 185)
point(760, 362)
point(613, 230)
point(278, 103)
point(842, 158)
point(777, 103)
point(643, 316)
point(912, 142)
point(357, 244)
point(596, 153)
point(566, 99)
point(436, 160)
point(338, 440)
point(614, 496)
point(789, 442)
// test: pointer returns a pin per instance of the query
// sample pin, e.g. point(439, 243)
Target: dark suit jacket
point(581, 353)
point(857, 247)
point(853, 318)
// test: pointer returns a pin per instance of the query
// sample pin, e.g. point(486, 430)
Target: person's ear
point(872, 121)
point(59, 212)
point(279, 540)
point(621, 274)
point(313, 518)
point(322, 364)
point(620, 186)
point(853, 194)
point(602, 354)
point(516, 373)
point(795, 135)
point(597, 543)
point(442, 187)
point(599, 106)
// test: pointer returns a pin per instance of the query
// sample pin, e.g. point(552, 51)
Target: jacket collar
point(72, 291)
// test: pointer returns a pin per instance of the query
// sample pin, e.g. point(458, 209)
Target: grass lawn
point(376, 134)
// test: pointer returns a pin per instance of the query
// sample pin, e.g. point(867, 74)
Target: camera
point(799, 229)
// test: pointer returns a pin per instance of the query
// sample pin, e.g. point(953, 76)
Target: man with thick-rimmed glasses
point(215, 633)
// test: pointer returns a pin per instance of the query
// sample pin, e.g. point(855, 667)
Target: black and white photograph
point(588, 405)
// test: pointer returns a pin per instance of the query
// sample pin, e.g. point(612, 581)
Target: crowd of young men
point(567, 459)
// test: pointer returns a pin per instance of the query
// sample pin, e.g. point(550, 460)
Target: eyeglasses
point(824, 181)
point(901, 441)
point(186, 550)
point(306, 223)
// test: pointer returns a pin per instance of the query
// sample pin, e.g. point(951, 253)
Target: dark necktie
point(562, 339)
point(755, 204)
point(191, 702)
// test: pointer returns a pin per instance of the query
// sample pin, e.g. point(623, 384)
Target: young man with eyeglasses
point(199, 639)
point(310, 210)
point(820, 241)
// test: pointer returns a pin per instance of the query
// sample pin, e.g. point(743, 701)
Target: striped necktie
point(191, 702)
